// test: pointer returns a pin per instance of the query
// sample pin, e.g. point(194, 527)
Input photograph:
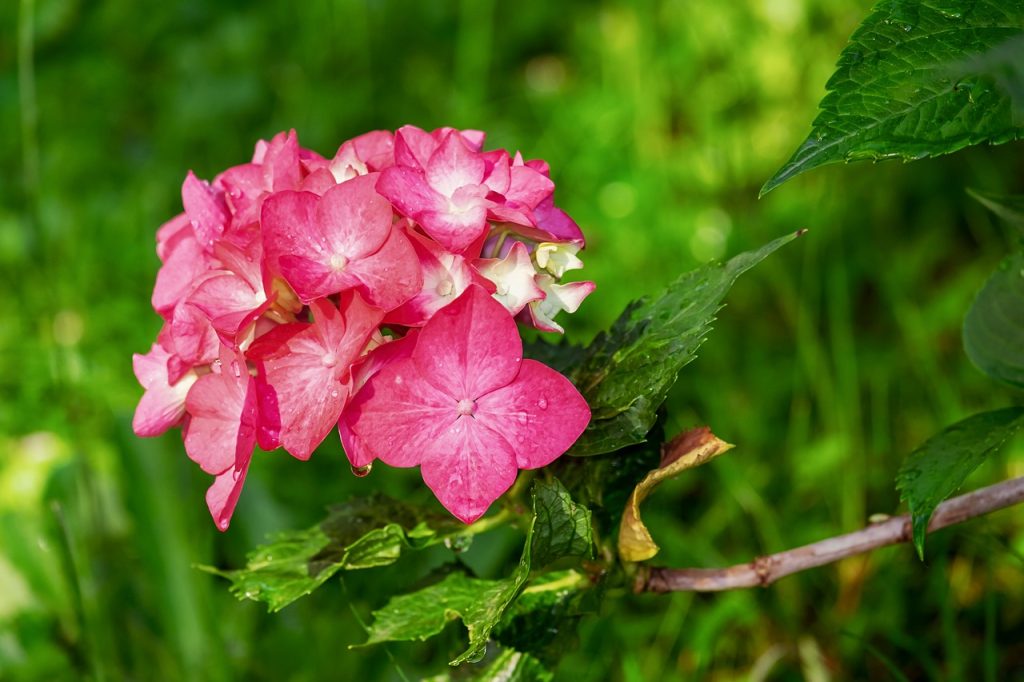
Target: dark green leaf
point(544, 620)
point(362, 533)
point(562, 356)
point(627, 371)
point(994, 325)
point(920, 79)
point(938, 468)
point(558, 528)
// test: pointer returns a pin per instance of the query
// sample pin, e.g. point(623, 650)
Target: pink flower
point(343, 240)
point(444, 275)
point(513, 278)
point(304, 373)
point(467, 408)
point(448, 193)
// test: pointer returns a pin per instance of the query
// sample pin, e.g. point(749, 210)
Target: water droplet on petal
point(363, 471)
point(542, 403)
point(334, 393)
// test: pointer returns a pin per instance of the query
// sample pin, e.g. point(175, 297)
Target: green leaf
point(559, 528)
point(938, 468)
point(562, 356)
point(362, 533)
point(508, 666)
point(920, 79)
point(994, 325)
point(626, 372)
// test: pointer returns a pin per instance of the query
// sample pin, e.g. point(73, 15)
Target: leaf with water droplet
point(559, 529)
point(364, 532)
point(939, 467)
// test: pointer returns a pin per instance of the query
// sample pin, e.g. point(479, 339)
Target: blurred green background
point(660, 120)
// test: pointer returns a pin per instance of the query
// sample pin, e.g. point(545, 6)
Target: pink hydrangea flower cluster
point(376, 292)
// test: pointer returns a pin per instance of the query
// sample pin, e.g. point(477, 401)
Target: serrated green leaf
point(626, 372)
point(938, 468)
point(558, 528)
point(994, 325)
point(362, 533)
point(508, 666)
point(920, 79)
point(561, 357)
point(544, 620)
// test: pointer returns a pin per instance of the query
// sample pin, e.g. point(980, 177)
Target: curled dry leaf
point(687, 450)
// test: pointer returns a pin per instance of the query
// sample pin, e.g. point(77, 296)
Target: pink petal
point(222, 407)
point(192, 336)
point(163, 404)
point(281, 162)
point(376, 149)
point(497, 174)
point(171, 233)
point(181, 271)
point(469, 347)
point(244, 187)
point(529, 187)
point(455, 231)
point(222, 496)
point(282, 217)
point(413, 147)
point(400, 415)
point(391, 276)
point(540, 413)
point(318, 182)
point(206, 209)
point(444, 275)
point(408, 190)
point(353, 218)
point(454, 165)
point(304, 383)
point(468, 466)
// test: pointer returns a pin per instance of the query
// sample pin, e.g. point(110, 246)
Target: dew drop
point(542, 403)
point(334, 393)
point(363, 471)
point(520, 438)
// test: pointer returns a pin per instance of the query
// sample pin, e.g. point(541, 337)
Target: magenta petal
point(222, 496)
point(408, 190)
point(181, 271)
point(222, 406)
point(540, 413)
point(205, 208)
point(193, 337)
point(305, 383)
point(400, 416)
point(284, 217)
point(468, 467)
point(469, 347)
point(413, 147)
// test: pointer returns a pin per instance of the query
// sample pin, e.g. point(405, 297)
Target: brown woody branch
point(765, 570)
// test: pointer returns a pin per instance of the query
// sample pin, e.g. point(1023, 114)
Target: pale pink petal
point(557, 297)
point(540, 413)
point(469, 347)
point(513, 277)
point(281, 162)
point(529, 187)
point(192, 336)
point(376, 149)
point(318, 182)
point(163, 404)
point(244, 187)
point(468, 466)
point(205, 208)
point(454, 165)
point(222, 406)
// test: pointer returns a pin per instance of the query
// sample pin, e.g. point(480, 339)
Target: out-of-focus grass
point(661, 121)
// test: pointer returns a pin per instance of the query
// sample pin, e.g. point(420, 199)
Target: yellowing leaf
point(687, 450)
